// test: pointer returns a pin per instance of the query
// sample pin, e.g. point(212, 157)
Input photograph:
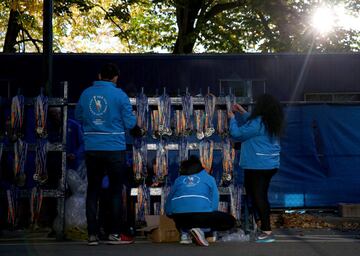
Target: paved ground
point(290, 242)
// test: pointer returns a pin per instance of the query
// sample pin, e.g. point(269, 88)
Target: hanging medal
point(17, 117)
point(20, 155)
point(199, 121)
point(35, 204)
point(164, 107)
point(140, 160)
point(143, 203)
point(155, 123)
point(11, 195)
point(206, 149)
point(228, 162)
point(222, 123)
point(183, 149)
point(180, 123)
point(41, 174)
point(41, 108)
point(210, 103)
point(142, 107)
point(187, 105)
point(161, 166)
point(230, 100)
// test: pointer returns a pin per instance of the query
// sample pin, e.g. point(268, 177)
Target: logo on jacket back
point(191, 180)
point(98, 105)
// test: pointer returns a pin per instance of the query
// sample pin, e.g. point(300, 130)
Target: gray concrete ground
point(290, 242)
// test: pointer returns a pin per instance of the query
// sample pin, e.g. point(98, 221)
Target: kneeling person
point(193, 203)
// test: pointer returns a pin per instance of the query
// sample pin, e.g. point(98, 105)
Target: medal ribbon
point(140, 159)
point(187, 105)
point(164, 107)
point(206, 149)
point(155, 123)
point(17, 115)
point(236, 194)
point(20, 155)
point(142, 107)
point(161, 167)
point(41, 174)
point(230, 101)
point(228, 161)
point(183, 149)
point(210, 103)
point(41, 108)
point(222, 124)
point(199, 118)
point(11, 198)
point(35, 204)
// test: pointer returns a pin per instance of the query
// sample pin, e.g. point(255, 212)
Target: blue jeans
point(113, 164)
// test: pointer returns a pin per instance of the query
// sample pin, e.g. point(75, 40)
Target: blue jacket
point(193, 193)
point(105, 112)
point(258, 149)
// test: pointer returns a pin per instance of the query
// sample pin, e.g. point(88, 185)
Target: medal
point(17, 115)
point(142, 107)
point(20, 154)
point(187, 105)
point(210, 103)
point(41, 108)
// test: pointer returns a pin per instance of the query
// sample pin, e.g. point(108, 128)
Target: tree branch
point(31, 39)
point(218, 8)
point(117, 25)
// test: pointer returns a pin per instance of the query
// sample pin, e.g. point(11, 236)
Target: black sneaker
point(93, 240)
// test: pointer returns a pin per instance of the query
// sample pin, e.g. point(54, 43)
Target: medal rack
point(58, 193)
point(196, 101)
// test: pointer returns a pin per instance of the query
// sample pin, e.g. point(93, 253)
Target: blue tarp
point(320, 159)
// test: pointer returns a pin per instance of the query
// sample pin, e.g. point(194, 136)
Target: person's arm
point(215, 195)
point(245, 131)
point(79, 111)
point(127, 113)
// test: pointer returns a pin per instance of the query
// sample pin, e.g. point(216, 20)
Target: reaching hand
point(238, 108)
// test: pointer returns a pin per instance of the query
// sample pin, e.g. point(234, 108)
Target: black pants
point(257, 186)
point(112, 163)
point(217, 220)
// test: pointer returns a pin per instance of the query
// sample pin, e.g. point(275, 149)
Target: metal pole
point(48, 46)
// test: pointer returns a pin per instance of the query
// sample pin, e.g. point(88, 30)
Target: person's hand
point(136, 132)
point(238, 108)
point(230, 114)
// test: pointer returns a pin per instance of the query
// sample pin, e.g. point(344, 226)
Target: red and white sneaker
point(199, 236)
point(120, 239)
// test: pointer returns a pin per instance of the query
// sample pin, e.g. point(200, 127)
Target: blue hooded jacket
point(259, 151)
point(193, 193)
point(105, 112)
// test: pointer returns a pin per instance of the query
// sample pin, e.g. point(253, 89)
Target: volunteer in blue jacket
point(259, 134)
point(193, 203)
point(105, 113)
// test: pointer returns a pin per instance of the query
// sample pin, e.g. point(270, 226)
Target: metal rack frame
point(58, 193)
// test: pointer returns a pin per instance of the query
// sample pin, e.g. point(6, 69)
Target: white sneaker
point(199, 236)
point(185, 238)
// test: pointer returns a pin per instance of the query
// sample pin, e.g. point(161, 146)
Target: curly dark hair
point(271, 113)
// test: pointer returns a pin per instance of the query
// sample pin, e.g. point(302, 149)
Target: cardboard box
point(161, 229)
point(349, 210)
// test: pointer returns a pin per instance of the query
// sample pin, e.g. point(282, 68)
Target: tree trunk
point(12, 32)
point(186, 14)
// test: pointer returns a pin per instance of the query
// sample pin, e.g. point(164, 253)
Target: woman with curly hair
point(259, 134)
